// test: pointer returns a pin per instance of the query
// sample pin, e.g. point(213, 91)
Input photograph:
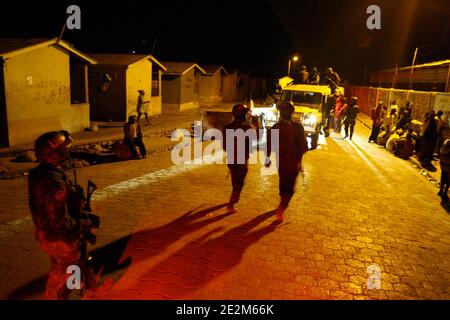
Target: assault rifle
point(88, 221)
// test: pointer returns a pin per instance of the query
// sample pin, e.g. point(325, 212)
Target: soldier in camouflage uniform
point(53, 212)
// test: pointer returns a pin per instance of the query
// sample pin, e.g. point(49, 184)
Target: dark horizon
point(256, 37)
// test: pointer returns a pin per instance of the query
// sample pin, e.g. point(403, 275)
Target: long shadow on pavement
point(110, 258)
point(197, 263)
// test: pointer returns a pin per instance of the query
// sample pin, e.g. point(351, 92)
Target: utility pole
point(412, 68)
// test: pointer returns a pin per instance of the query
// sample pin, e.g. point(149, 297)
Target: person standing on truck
point(238, 152)
point(292, 146)
point(314, 77)
point(304, 75)
point(350, 114)
point(332, 79)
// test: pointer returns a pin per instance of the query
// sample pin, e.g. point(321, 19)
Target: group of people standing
point(338, 112)
point(313, 77)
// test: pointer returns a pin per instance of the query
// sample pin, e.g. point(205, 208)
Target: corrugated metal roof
point(179, 68)
point(8, 45)
point(213, 69)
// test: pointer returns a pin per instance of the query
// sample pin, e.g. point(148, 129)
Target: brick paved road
point(165, 234)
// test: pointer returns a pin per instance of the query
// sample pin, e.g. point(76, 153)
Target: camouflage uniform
point(56, 230)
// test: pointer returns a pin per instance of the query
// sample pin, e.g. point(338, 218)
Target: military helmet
point(240, 111)
point(51, 146)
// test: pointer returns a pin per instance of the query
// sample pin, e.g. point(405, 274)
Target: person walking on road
point(292, 146)
point(237, 148)
point(350, 114)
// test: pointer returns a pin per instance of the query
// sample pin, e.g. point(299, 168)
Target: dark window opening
point(77, 81)
point(155, 81)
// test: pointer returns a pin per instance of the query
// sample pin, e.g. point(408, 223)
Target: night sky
point(255, 36)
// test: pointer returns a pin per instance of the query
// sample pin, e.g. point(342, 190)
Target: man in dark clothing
point(404, 118)
point(303, 75)
point(429, 138)
point(142, 106)
point(332, 79)
point(350, 114)
point(328, 113)
point(54, 213)
point(314, 77)
point(237, 141)
point(292, 146)
point(133, 137)
point(445, 170)
point(377, 116)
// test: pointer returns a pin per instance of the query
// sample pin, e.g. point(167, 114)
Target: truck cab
point(308, 101)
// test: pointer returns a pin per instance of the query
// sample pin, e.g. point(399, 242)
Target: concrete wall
point(190, 90)
point(138, 76)
point(37, 92)
point(211, 87)
point(422, 101)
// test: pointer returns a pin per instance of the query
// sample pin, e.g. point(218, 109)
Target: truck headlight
point(310, 120)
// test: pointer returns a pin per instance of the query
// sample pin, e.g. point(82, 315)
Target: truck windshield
point(312, 99)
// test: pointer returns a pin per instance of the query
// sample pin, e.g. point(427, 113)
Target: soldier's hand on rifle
point(89, 221)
